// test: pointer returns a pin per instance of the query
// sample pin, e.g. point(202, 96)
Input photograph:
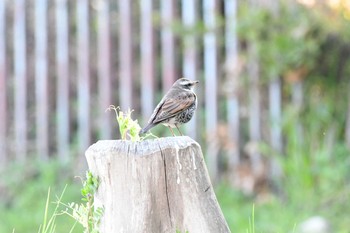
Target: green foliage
point(315, 165)
point(286, 41)
point(314, 139)
point(128, 127)
point(86, 213)
point(21, 206)
point(314, 41)
point(277, 215)
point(25, 199)
point(90, 186)
point(315, 159)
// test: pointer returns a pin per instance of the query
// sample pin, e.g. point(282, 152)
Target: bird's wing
point(155, 112)
point(169, 107)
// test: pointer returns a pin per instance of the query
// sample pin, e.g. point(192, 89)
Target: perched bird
point(177, 106)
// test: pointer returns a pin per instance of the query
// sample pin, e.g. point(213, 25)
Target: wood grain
point(159, 185)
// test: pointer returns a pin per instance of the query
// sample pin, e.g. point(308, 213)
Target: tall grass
point(49, 222)
point(26, 199)
point(251, 228)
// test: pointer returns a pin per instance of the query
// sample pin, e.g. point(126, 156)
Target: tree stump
point(153, 186)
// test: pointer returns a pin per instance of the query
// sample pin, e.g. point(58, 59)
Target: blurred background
point(273, 118)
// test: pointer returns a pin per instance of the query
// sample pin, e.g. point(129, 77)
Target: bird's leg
point(179, 130)
point(172, 132)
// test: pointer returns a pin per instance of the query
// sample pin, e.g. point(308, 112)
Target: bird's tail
point(146, 128)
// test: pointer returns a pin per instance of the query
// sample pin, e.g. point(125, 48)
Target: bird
point(176, 107)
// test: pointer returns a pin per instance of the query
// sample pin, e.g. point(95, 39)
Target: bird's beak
point(195, 82)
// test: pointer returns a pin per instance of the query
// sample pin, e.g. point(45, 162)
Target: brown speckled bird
point(177, 106)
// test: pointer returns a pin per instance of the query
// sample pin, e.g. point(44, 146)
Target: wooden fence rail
point(103, 68)
point(20, 74)
point(3, 90)
point(41, 80)
point(62, 74)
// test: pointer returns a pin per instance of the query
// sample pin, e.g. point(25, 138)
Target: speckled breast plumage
point(186, 115)
point(181, 118)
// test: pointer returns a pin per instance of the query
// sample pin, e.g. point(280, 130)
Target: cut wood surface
point(159, 185)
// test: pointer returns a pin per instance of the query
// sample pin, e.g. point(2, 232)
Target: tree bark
point(159, 185)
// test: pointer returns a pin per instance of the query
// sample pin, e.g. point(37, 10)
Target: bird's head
point(185, 83)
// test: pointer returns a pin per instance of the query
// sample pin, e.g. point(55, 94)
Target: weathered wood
point(125, 55)
point(3, 89)
point(157, 185)
point(147, 58)
point(62, 70)
point(190, 51)
point(167, 40)
point(211, 77)
point(254, 107)
point(20, 81)
point(83, 87)
point(41, 80)
point(275, 104)
point(103, 69)
point(232, 72)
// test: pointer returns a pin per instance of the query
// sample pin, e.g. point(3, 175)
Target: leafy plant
point(86, 213)
point(128, 128)
point(283, 43)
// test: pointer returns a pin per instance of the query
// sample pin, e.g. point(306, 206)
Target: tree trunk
point(159, 185)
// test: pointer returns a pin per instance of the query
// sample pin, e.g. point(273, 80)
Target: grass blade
point(43, 229)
